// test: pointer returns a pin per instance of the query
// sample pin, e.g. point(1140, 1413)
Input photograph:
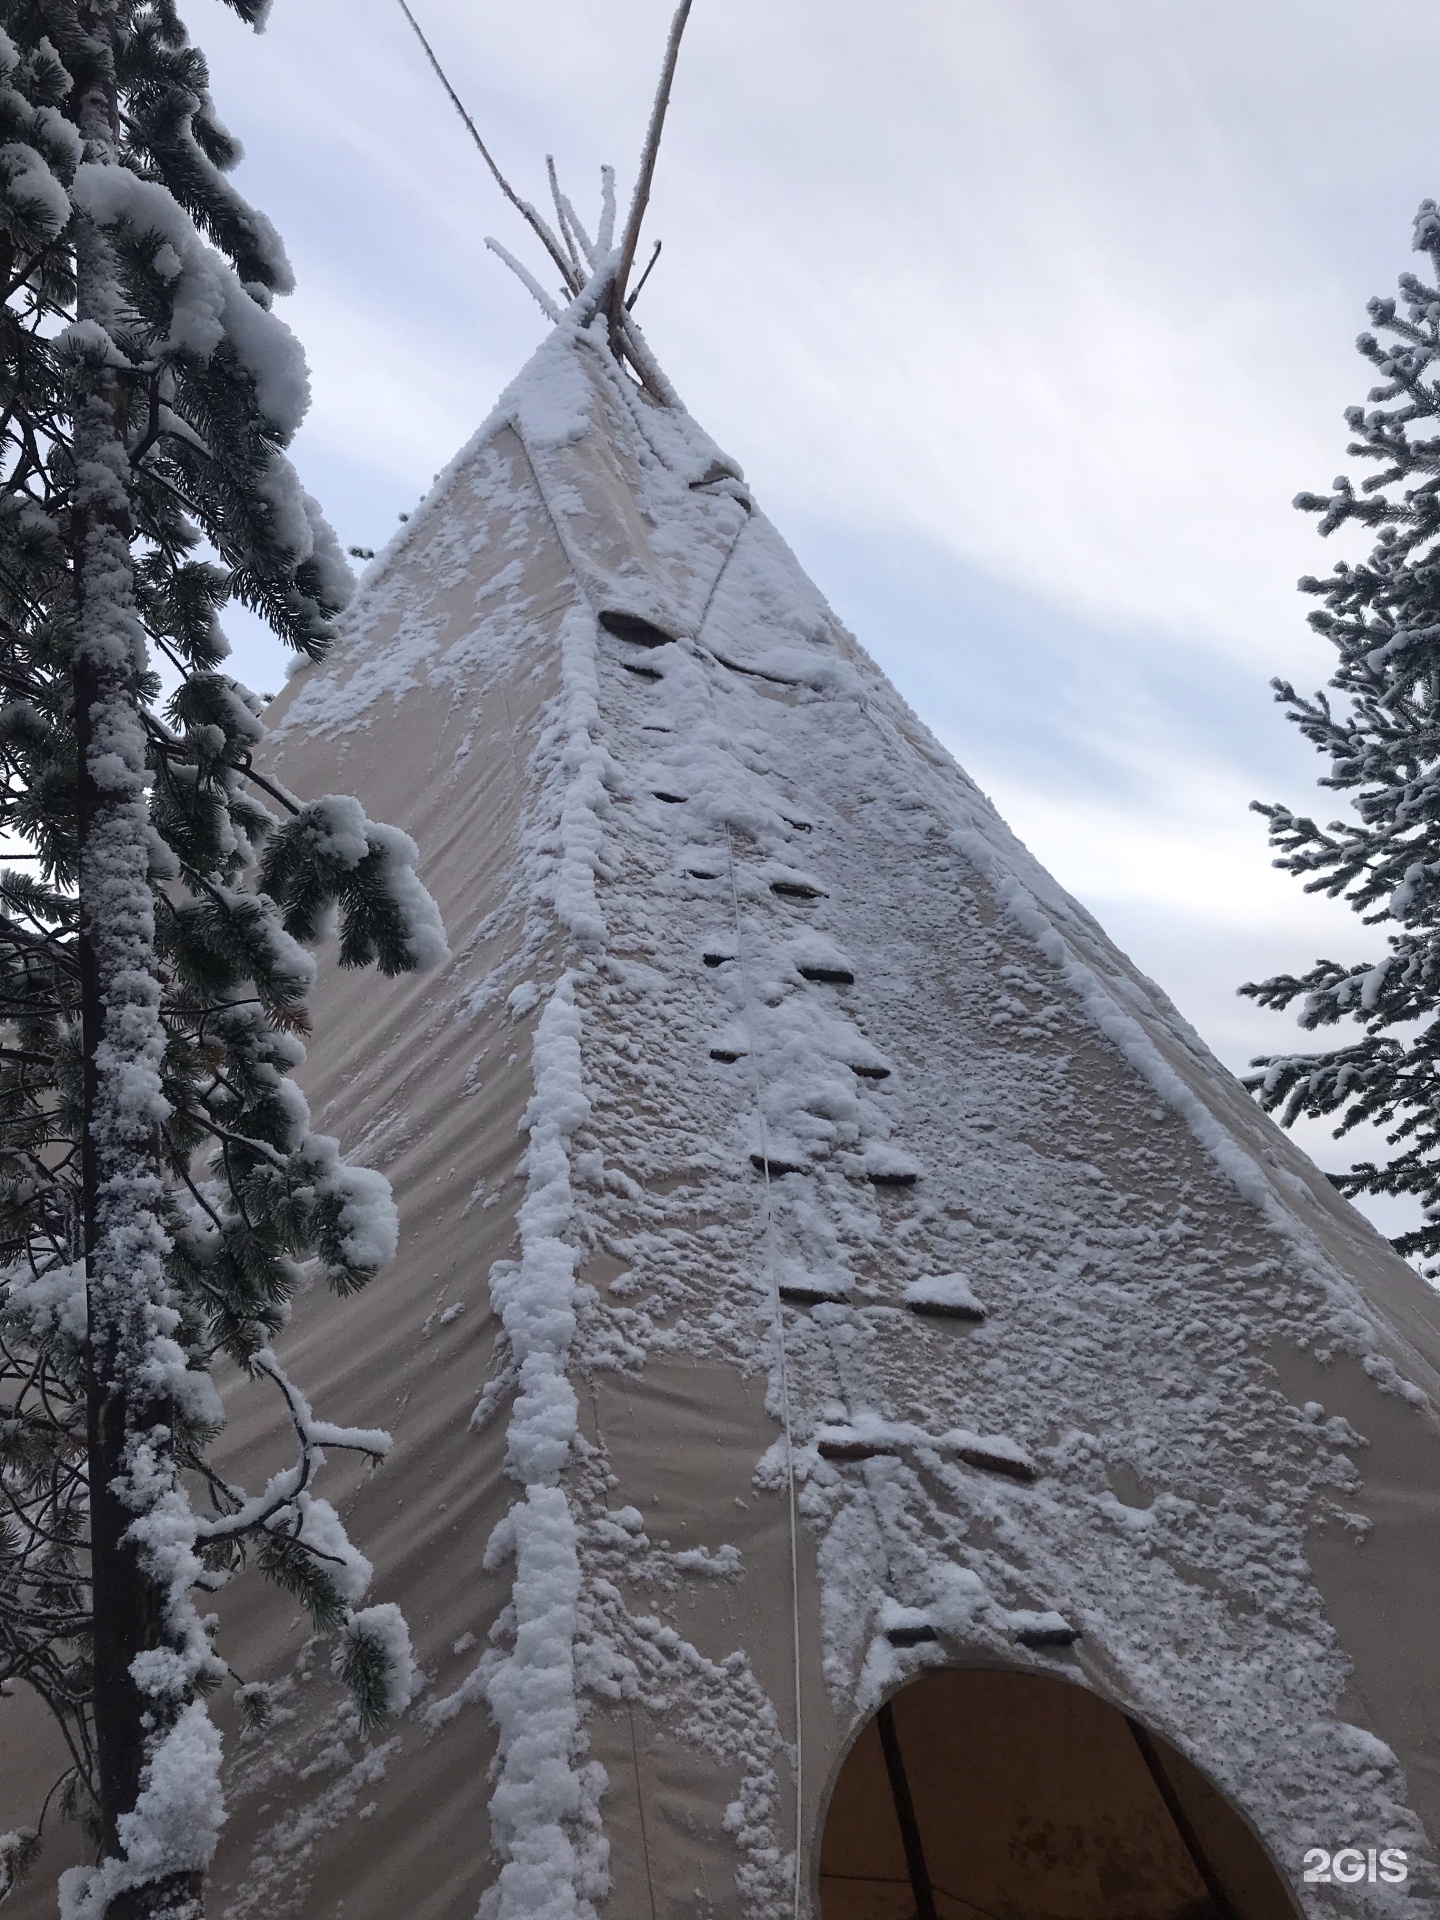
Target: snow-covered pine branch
point(1379, 731)
point(160, 1183)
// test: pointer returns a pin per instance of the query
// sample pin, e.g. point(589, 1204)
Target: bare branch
point(639, 284)
point(152, 430)
point(287, 800)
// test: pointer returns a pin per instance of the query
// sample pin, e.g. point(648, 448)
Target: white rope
point(779, 1310)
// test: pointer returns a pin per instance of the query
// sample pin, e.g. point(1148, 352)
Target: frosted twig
point(591, 252)
point(647, 167)
point(540, 227)
point(605, 239)
point(526, 279)
point(555, 194)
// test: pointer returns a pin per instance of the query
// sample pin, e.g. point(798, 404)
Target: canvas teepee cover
point(825, 1261)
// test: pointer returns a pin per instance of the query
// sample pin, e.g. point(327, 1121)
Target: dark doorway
point(987, 1795)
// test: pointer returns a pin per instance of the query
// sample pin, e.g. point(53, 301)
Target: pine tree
point(1382, 740)
point(160, 1186)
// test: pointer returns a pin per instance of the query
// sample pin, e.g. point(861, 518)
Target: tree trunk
point(126, 1606)
point(128, 1424)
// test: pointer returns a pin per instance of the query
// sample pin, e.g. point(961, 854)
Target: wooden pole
point(905, 1813)
point(631, 237)
point(630, 303)
point(539, 227)
point(1219, 1899)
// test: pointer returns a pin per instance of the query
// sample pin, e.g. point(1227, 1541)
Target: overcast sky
point(1026, 319)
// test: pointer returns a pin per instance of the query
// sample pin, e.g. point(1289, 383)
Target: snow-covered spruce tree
point(1382, 740)
point(160, 1186)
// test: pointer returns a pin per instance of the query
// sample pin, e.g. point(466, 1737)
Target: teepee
point(883, 1426)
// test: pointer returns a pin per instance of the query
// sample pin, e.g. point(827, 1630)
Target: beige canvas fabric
point(758, 1024)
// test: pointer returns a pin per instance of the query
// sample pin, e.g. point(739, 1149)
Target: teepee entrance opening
point(992, 1795)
